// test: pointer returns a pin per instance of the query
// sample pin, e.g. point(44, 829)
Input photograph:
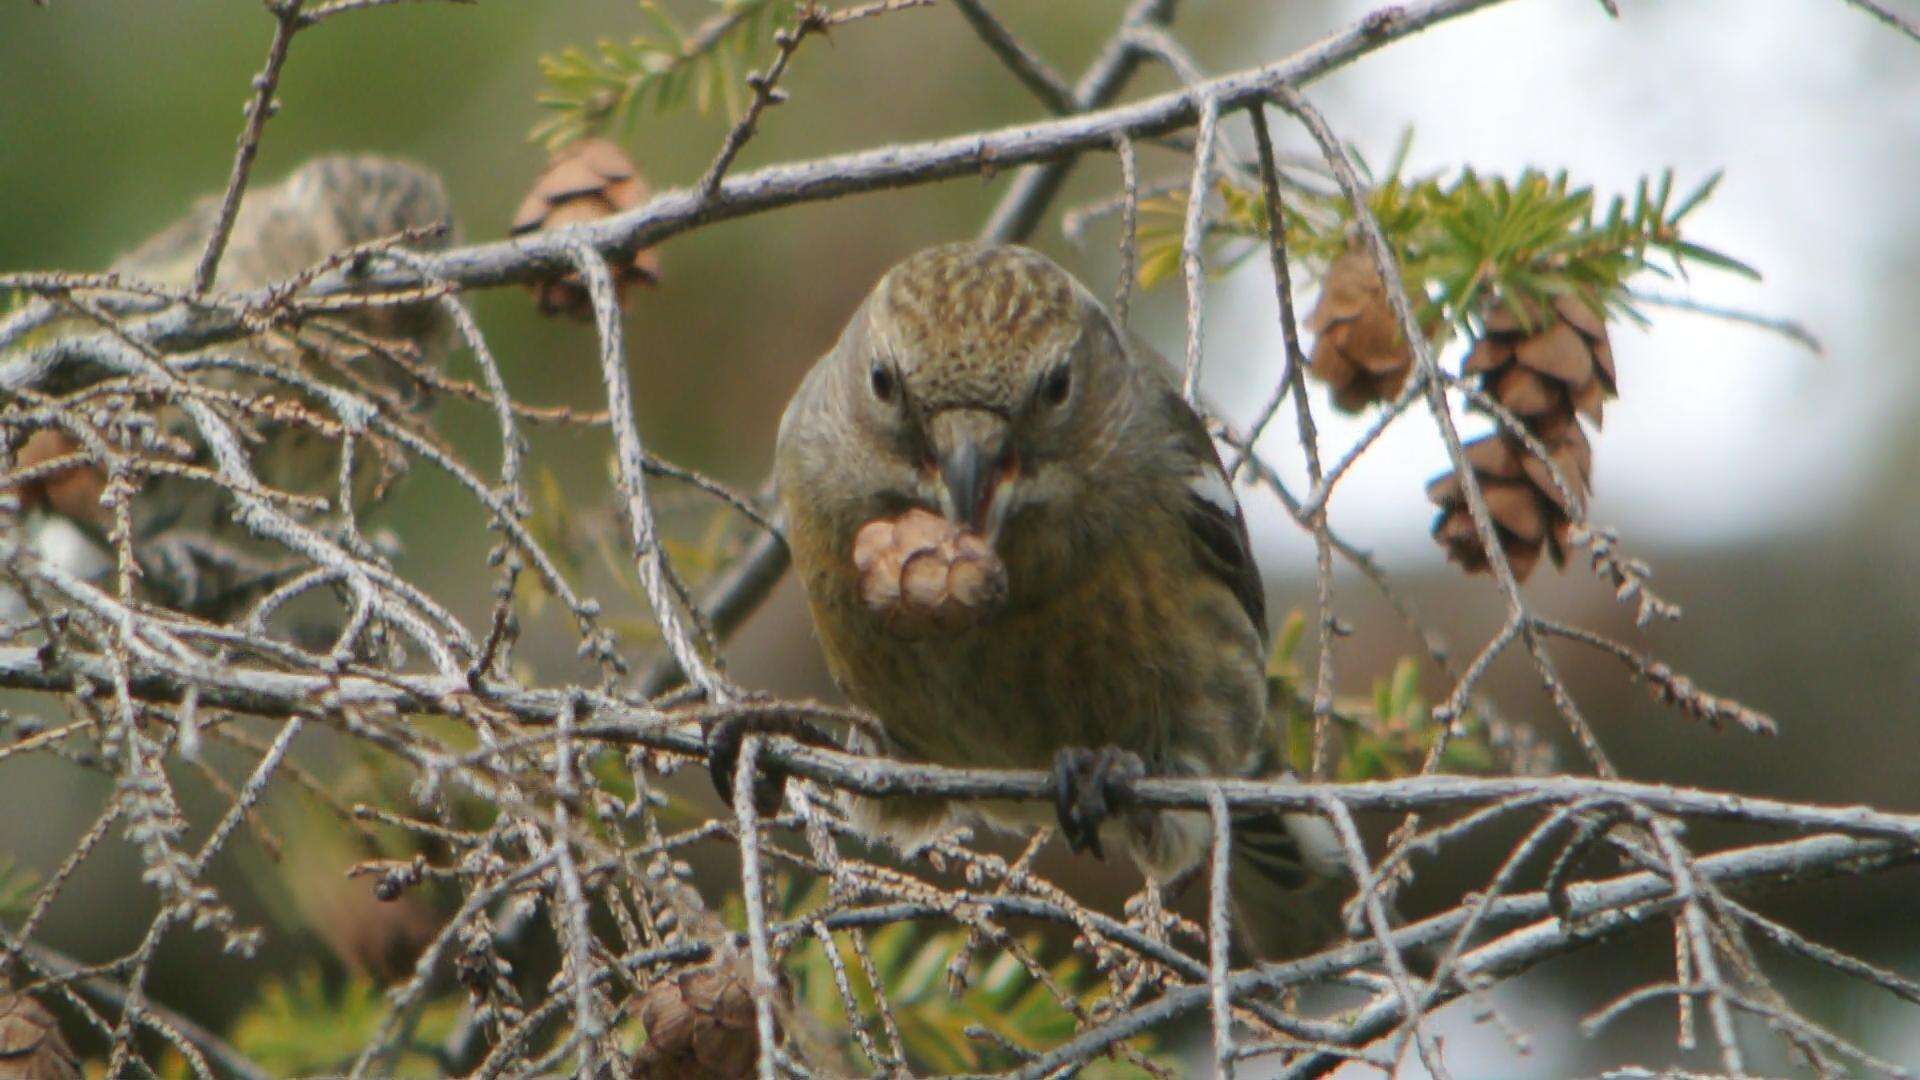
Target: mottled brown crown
point(968, 323)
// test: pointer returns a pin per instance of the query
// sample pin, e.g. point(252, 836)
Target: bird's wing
point(1211, 511)
point(1213, 515)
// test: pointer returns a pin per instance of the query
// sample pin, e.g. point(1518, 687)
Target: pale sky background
point(1722, 432)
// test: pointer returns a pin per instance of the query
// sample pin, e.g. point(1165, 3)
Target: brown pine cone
point(73, 492)
point(924, 575)
point(1548, 366)
point(31, 1046)
point(1358, 350)
point(700, 1024)
point(584, 181)
point(1530, 515)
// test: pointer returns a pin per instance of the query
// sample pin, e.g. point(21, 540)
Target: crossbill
point(984, 384)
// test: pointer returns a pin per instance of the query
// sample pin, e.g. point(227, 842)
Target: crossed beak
point(974, 455)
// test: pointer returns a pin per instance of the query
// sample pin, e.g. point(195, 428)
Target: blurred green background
point(1776, 494)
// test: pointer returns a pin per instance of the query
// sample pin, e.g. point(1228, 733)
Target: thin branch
point(1129, 228)
point(1220, 888)
point(1886, 15)
point(1024, 63)
point(1791, 329)
point(279, 694)
point(766, 93)
point(754, 895)
point(545, 254)
point(1294, 384)
point(1533, 933)
point(1020, 209)
point(287, 23)
point(630, 456)
point(1191, 236)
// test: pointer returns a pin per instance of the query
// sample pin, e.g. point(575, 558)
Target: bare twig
point(766, 93)
point(1886, 15)
point(1129, 227)
point(287, 23)
point(1219, 890)
point(1020, 209)
point(1294, 383)
point(1191, 237)
point(1791, 329)
point(1024, 63)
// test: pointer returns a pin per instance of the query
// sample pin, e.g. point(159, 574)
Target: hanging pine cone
point(73, 492)
point(1358, 350)
point(31, 1046)
point(1550, 365)
point(700, 1024)
point(584, 181)
point(1529, 512)
point(1547, 367)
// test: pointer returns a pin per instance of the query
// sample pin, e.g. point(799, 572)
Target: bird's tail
point(1288, 882)
point(1291, 885)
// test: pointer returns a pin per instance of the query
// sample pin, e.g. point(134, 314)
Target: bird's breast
point(1123, 651)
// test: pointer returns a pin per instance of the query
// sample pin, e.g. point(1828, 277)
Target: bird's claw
point(1082, 791)
point(770, 781)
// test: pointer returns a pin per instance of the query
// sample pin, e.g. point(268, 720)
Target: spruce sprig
point(592, 92)
point(1458, 241)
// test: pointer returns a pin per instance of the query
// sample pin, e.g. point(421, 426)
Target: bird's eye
point(1058, 384)
point(885, 385)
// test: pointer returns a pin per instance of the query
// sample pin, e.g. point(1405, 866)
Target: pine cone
point(700, 1024)
point(584, 181)
point(924, 575)
point(31, 1046)
point(1358, 350)
point(1550, 365)
point(73, 492)
point(1529, 513)
point(1547, 367)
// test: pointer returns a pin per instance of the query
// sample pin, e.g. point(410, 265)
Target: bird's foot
point(770, 781)
point(1082, 790)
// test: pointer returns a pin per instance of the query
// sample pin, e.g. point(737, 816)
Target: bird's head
point(985, 380)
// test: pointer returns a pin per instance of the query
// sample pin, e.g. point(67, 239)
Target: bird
point(184, 529)
point(983, 383)
point(325, 207)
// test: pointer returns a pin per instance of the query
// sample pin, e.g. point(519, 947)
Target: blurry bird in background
point(192, 555)
point(325, 207)
point(1021, 551)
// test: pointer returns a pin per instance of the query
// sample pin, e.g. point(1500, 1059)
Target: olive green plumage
point(1133, 616)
